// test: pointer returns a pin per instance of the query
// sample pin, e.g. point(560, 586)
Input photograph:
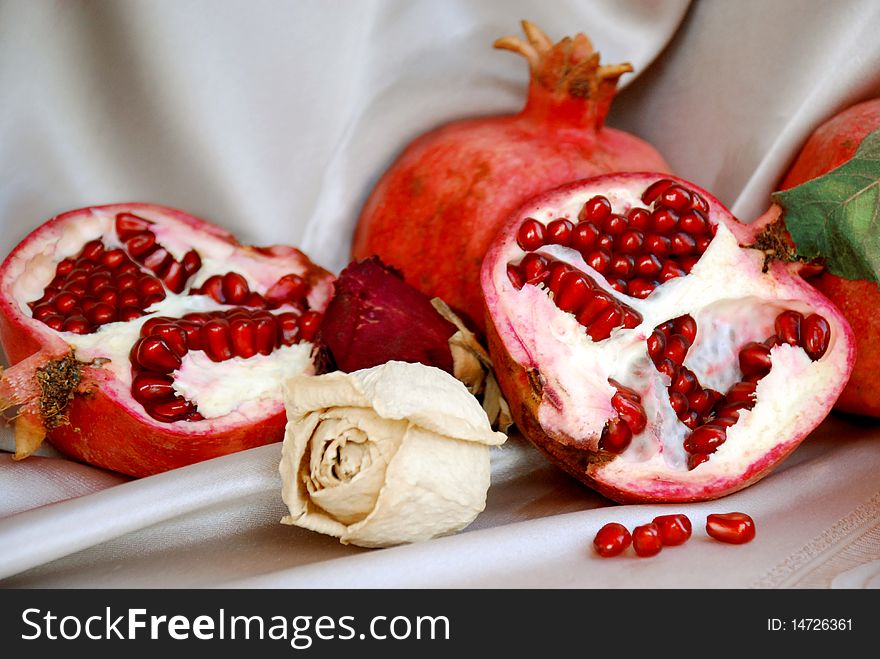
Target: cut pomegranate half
point(645, 350)
point(176, 337)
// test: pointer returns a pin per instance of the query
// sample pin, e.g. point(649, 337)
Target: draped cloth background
point(274, 119)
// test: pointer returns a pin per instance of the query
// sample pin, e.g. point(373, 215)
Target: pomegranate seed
point(742, 392)
point(815, 336)
point(54, 321)
point(656, 345)
point(309, 324)
point(684, 382)
point(513, 274)
point(170, 411)
point(215, 339)
point(559, 232)
point(151, 299)
point(150, 286)
point(646, 540)
point(129, 298)
point(674, 529)
point(126, 281)
point(92, 250)
point(557, 270)
point(700, 400)
point(265, 334)
point(647, 265)
point(288, 323)
point(213, 288)
point(148, 387)
point(618, 285)
point(694, 223)
point(683, 244)
point(631, 241)
point(631, 318)
point(174, 277)
point(615, 225)
point(288, 288)
point(101, 314)
point(670, 271)
point(601, 326)
point(99, 281)
point(640, 288)
point(676, 197)
point(64, 267)
point(193, 333)
point(703, 243)
point(174, 336)
point(235, 288)
point(691, 419)
point(153, 354)
point(687, 263)
point(679, 403)
point(677, 347)
point(128, 224)
point(639, 218)
point(42, 311)
point(127, 313)
point(696, 459)
point(599, 261)
point(534, 268)
point(606, 242)
point(733, 528)
point(686, 326)
point(140, 244)
point(705, 439)
point(191, 263)
point(86, 303)
point(653, 191)
point(622, 265)
point(727, 419)
point(788, 327)
point(128, 268)
point(530, 235)
point(631, 412)
point(242, 332)
point(595, 210)
point(657, 244)
point(158, 261)
point(113, 258)
point(616, 436)
point(664, 220)
point(698, 203)
point(612, 539)
point(109, 296)
point(754, 359)
point(574, 290)
point(594, 305)
point(668, 368)
point(585, 238)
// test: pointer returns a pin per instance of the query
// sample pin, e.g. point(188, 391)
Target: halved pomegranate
point(645, 350)
point(147, 339)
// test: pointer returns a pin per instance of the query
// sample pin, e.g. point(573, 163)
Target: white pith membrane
point(732, 301)
point(237, 389)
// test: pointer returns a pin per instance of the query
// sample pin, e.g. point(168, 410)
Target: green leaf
point(837, 216)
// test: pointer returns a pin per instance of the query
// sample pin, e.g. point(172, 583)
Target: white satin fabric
point(273, 119)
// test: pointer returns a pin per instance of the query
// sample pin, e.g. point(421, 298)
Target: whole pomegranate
point(831, 145)
point(645, 351)
point(145, 339)
point(435, 211)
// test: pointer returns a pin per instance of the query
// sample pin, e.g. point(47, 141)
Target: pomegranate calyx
point(566, 73)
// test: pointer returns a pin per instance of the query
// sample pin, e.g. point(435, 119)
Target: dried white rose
point(391, 454)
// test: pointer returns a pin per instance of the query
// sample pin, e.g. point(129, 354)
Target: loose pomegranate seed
point(559, 232)
point(674, 529)
point(653, 191)
point(815, 336)
point(732, 528)
point(612, 539)
point(595, 210)
point(646, 540)
point(530, 235)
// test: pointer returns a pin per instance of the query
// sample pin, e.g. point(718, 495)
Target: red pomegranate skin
point(103, 431)
point(831, 145)
point(434, 213)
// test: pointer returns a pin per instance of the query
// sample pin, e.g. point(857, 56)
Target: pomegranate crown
point(569, 70)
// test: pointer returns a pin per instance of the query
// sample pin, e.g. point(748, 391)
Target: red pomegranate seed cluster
point(670, 531)
point(630, 420)
point(232, 288)
point(576, 293)
point(221, 335)
point(141, 245)
point(635, 251)
point(97, 287)
point(709, 413)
